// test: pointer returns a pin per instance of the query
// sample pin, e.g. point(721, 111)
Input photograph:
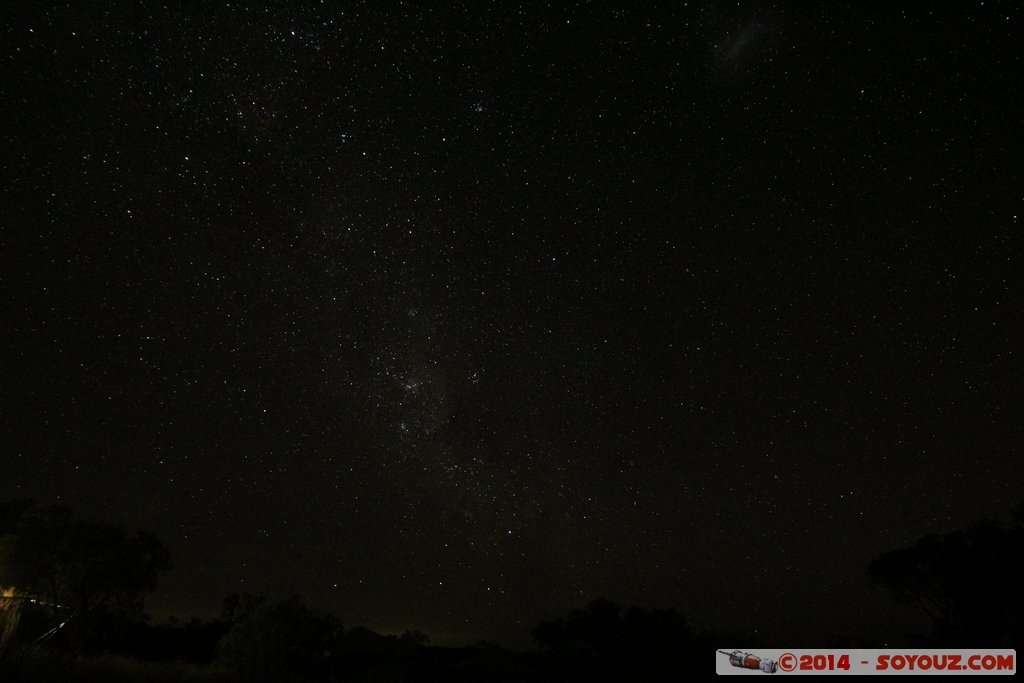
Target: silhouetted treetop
point(967, 582)
point(275, 640)
point(604, 628)
point(79, 564)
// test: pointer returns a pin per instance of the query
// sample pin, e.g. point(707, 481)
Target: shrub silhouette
point(623, 643)
point(276, 641)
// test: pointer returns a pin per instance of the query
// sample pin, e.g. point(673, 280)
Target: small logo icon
point(744, 660)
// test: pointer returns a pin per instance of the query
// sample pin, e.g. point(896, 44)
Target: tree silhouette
point(603, 628)
point(80, 567)
point(10, 512)
point(275, 641)
point(967, 582)
point(628, 643)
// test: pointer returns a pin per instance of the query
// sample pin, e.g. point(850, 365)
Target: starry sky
point(458, 318)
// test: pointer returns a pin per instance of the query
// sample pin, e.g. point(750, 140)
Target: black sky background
point(458, 318)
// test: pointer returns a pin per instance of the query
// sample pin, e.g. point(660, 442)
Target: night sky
point(456, 319)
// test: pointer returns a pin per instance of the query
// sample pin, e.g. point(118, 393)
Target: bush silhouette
point(275, 641)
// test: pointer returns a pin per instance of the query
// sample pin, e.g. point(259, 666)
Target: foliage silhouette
point(82, 571)
point(276, 641)
point(625, 642)
point(968, 582)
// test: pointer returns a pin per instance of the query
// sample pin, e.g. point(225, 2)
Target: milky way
point(456, 319)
